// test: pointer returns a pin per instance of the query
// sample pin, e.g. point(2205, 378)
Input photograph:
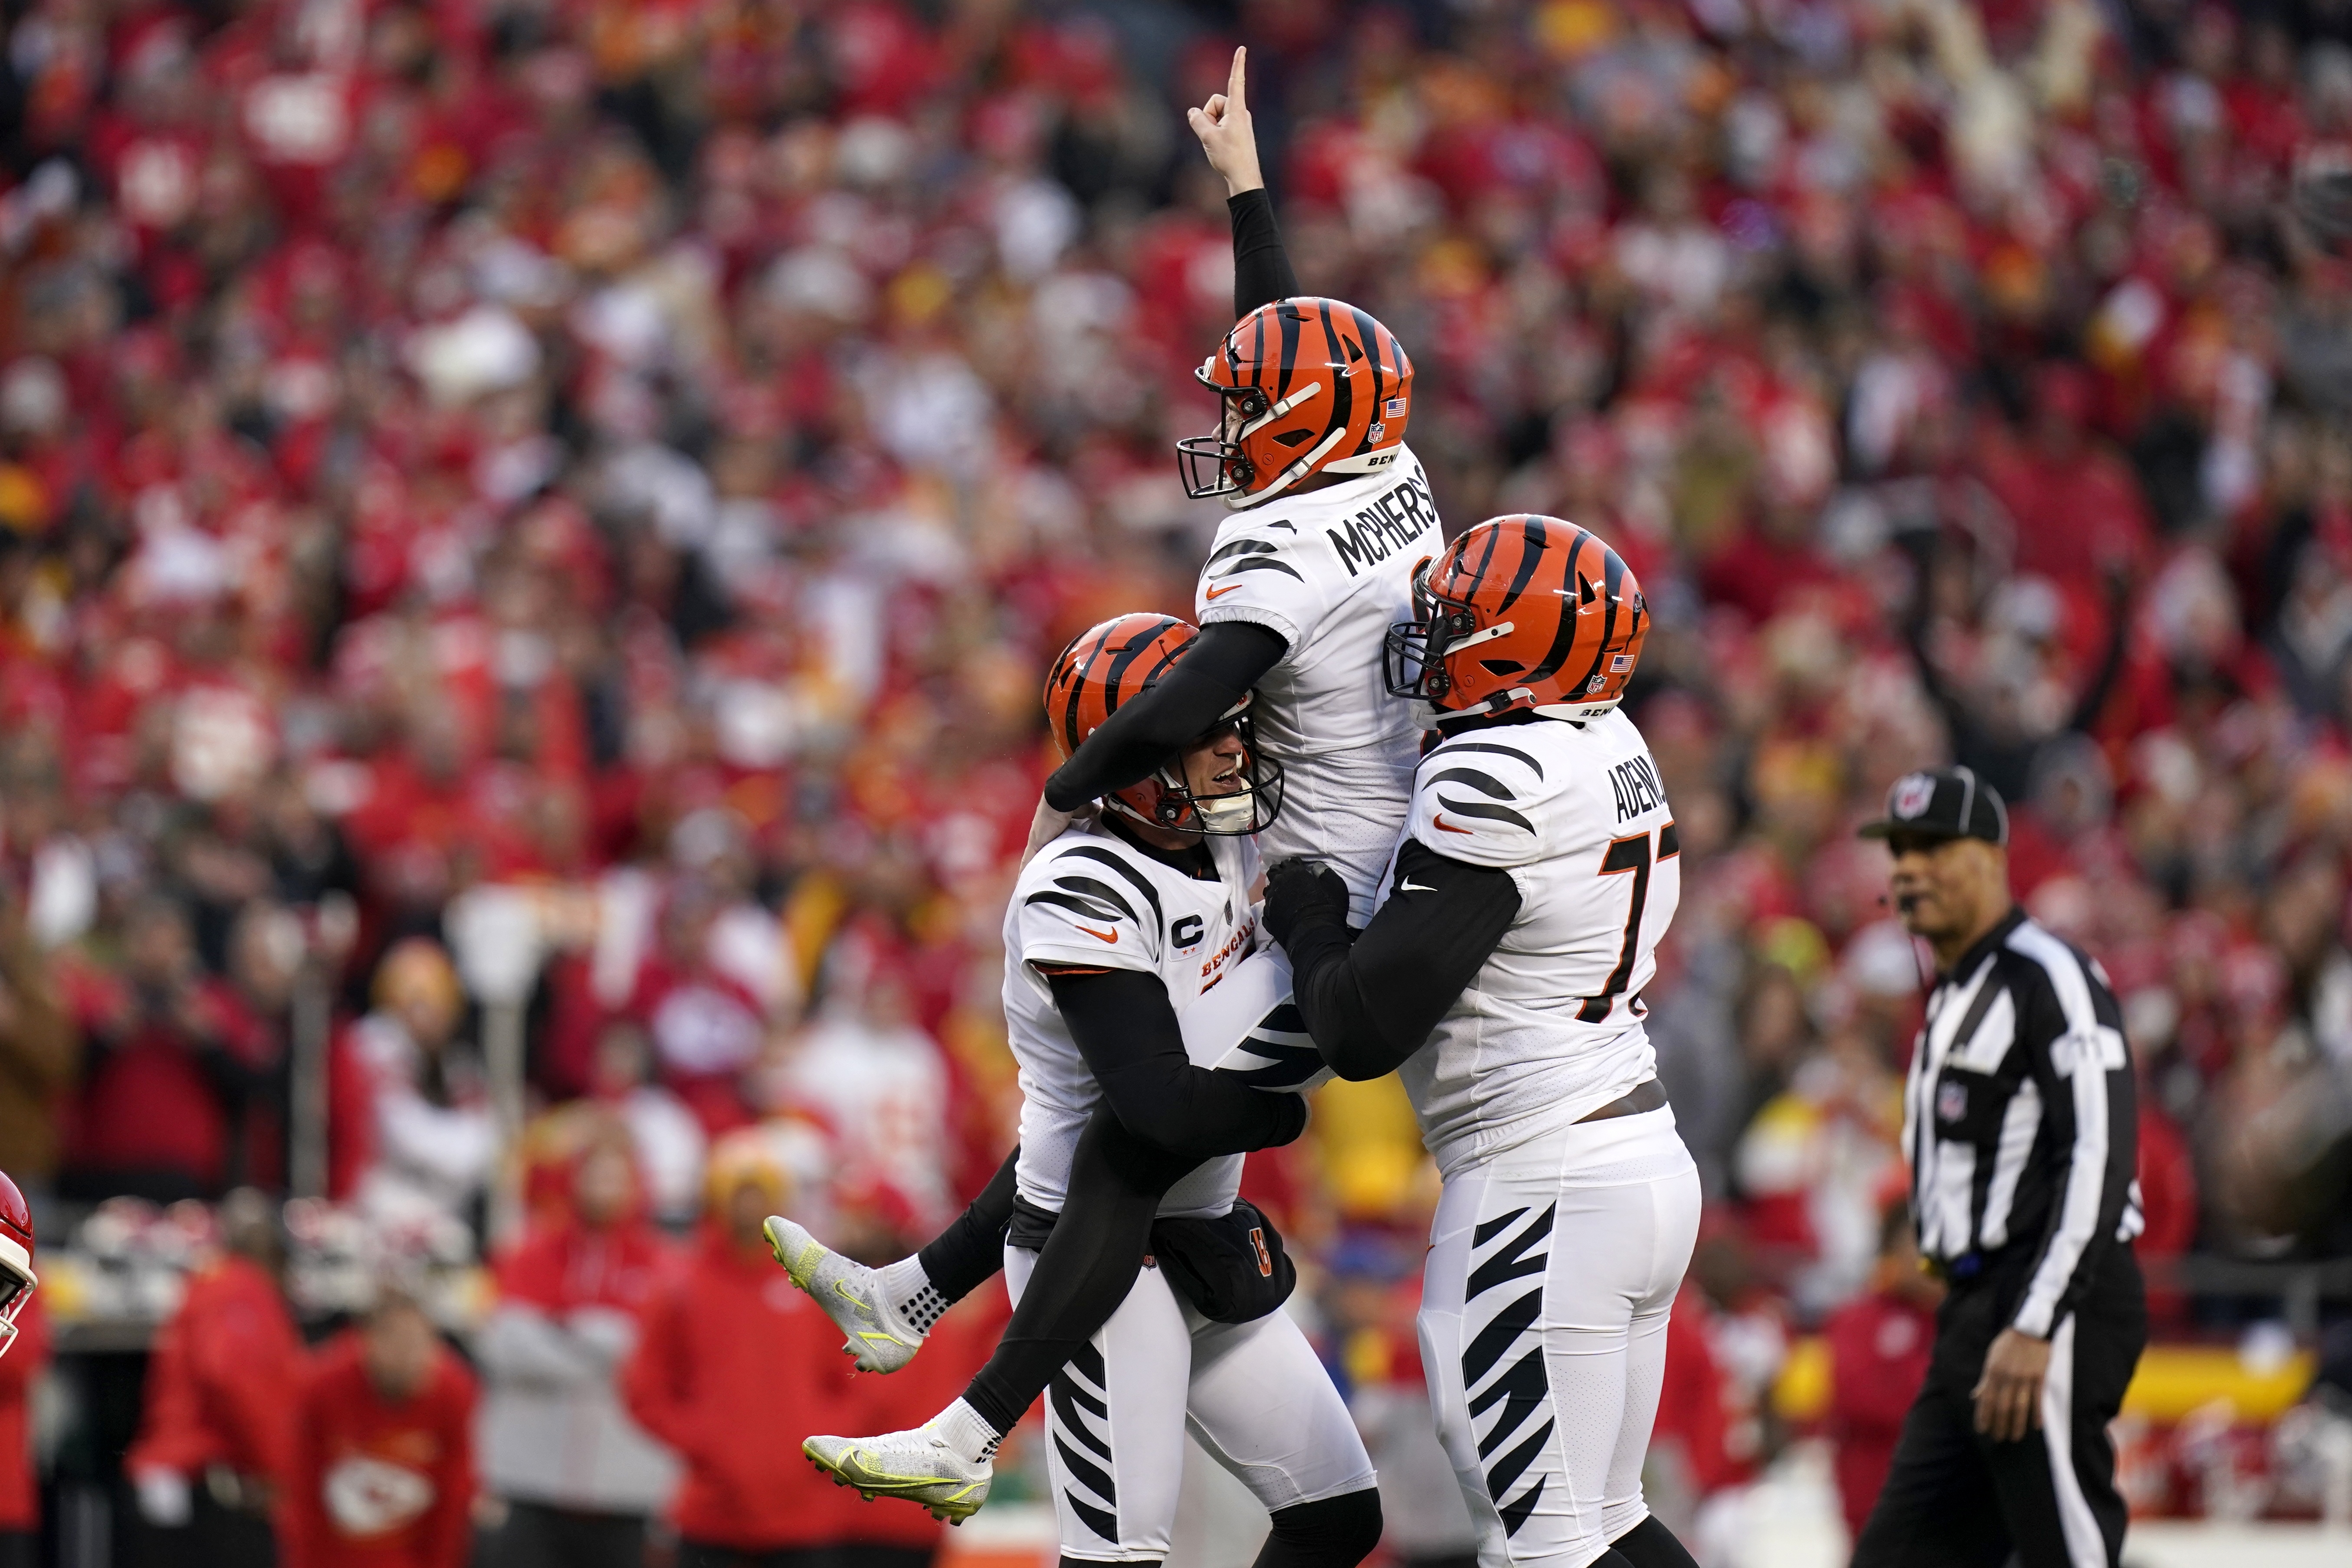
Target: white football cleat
point(916, 1465)
point(851, 1294)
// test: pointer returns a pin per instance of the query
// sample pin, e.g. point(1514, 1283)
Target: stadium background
point(592, 489)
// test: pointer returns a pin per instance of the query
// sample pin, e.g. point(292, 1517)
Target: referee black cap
point(1947, 803)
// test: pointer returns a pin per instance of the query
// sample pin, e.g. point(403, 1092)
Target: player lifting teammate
point(1501, 977)
point(1118, 936)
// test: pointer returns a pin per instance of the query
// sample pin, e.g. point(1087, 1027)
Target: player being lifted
point(1117, 935)
point(1501, 978)
point(1330, 512)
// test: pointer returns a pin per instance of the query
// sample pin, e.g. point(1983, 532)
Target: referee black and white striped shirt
point(2018, 1120)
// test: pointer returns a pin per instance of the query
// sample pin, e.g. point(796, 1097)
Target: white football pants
point(1252, 1394)
point(1551, 1269)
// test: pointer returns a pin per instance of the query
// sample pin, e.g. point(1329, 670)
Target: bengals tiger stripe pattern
point(1319, 386)
point(1525, 612)
point(1103, 668)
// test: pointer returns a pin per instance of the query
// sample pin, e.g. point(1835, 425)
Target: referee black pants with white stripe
point(1956, 1498)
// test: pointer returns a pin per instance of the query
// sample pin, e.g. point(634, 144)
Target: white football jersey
point(1551, 1028)
point(1331, 571)
point(1091, 899)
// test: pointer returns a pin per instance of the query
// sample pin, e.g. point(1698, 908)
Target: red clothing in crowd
point(150, 1102)
point(224, 1381)
point(20, 1491)
point(2077, 516)
point(379, 1484)
point(1879, 1345)
point(735, 1368)
point(566, 1265)
point(2168, 1185)
point(1690, 1400)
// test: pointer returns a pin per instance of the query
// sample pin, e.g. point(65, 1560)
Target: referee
point(2019, 1125)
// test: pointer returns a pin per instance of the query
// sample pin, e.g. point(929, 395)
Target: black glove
point(1301, 892)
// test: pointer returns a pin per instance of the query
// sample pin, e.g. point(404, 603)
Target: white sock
point(968, 1437)
point(912, 1295)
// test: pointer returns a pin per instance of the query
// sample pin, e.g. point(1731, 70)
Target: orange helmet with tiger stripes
point(1521, 611)
point(1117, 662)
point(1308, 386)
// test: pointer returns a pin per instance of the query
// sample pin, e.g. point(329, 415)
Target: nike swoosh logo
point(1221, 592)
point(1414, 886)
point(1443, 826)
point(1097, 936)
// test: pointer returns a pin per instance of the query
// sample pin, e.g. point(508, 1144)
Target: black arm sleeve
point(1370, 1001)
point(968, 1252)
point(1128, 1035)
point(1228, 659)
point(1261, 272)
point(1088, 1266)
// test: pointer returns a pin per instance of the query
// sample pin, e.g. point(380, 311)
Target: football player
point(1117, 933)
point(1502, 978)
point(1330, 512)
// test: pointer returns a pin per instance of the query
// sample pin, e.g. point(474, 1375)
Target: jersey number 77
point(1630, 854)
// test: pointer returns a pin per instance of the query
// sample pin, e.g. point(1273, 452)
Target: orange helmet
point(1521, 611)
point(17, 1281)
point(1308, 386)
point(1117, 662)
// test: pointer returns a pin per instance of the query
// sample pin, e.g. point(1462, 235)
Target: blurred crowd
point(645, 452)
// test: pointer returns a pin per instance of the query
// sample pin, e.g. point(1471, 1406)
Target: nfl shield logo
point(1951, 1100)
point(1377, 431)
point(1912, 795)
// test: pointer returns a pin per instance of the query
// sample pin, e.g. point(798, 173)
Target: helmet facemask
point(1233, 475)
point(1168, 801)
point(16, 1287)
point(1217, 466)
point(1415, 653)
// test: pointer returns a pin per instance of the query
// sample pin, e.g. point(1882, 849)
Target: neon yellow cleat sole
point(913, 1465)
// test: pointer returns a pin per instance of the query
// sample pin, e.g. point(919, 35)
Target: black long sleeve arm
point(1127, 1033)
point(1371, 999)
point(968, 1252)
point(1261, 272)
point(1088, 1266)
point(1228, 659)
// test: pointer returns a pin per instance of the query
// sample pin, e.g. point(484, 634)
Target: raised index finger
point(1233, 101)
